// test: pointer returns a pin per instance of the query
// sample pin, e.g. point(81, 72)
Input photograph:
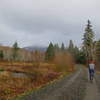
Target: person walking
point(91, 70)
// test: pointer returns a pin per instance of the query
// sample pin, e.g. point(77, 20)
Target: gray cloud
point(37, 22)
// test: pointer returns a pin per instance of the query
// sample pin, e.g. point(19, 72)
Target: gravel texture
point(97, 79)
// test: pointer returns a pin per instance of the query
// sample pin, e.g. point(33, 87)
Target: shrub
point(64, 62)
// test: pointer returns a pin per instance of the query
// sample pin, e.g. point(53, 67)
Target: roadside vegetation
point(23, 70)
point(18, 76)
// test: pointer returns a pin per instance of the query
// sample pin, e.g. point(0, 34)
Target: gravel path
point(97, 81)
point(71, 87)
point(93, 88)
point(92, 92)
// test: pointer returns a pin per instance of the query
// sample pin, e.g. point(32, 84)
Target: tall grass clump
point(64, 62)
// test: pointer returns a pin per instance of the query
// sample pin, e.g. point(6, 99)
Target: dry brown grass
point(64, 62)
point(40, 74)
point(12, 86)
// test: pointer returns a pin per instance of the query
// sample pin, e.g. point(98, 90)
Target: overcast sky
point(37, 22)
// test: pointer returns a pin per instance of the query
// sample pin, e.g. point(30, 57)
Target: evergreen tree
point(88, 42)
point(50, 52)
point(76, 52)
point(56, 48)
point(98, 50)
point(71, 47)
point(15, 51)
point(1, 55)
point(62, 47)
point(80, 58)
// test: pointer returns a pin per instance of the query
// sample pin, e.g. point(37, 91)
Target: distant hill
point(39, 48)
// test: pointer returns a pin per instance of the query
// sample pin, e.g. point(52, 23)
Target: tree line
point(74, 51)
point(14, 53)
point(90, 49)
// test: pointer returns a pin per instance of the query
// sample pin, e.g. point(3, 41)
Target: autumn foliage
point(33, 67)
point(64, 62)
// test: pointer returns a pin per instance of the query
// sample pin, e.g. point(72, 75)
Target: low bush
point(63, 62)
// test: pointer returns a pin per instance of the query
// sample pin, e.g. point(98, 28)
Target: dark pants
point(91, 74)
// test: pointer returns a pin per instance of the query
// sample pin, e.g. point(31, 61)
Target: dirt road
point(92, 91)
point(71, 87)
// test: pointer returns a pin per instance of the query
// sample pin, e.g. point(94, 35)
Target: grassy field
point(18, 77)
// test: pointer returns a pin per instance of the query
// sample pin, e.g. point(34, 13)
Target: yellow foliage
point(64, 62)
